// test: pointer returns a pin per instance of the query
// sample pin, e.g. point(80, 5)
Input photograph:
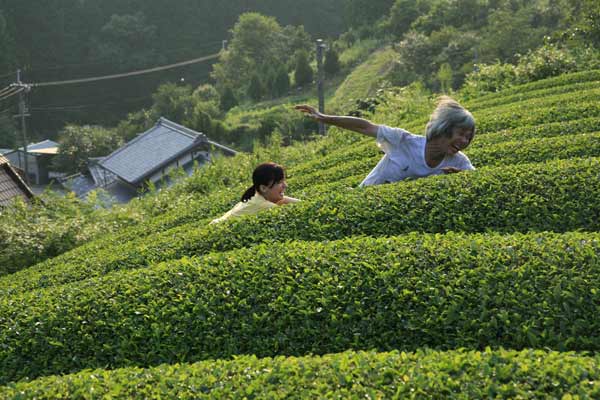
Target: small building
point(11, 184)
point(39, 160)
point(147, 159)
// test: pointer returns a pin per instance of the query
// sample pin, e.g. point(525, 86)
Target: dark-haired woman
point(267, 191)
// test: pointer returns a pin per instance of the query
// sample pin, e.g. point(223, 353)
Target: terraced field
point(479, 284)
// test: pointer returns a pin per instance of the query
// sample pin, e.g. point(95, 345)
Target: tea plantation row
point(406, 292)
point(204, 209)
point(558, 195)
point(528, 374)
point(558, 81)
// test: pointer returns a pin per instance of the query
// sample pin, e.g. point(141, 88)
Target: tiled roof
point(11, 185)
point(151, 150)
point(102, 177)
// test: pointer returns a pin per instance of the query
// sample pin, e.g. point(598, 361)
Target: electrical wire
point(98, 62)
point(10, 94)
point(127, 74)
point(6, 90)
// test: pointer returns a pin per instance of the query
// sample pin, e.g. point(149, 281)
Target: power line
point(127, 74)
point(83, 106)
point(98, 62)
point(9, 94)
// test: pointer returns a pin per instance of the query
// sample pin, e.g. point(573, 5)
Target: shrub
point(558, 196)
point(439, 291)
point(527, 374)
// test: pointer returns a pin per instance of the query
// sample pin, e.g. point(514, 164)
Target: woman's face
point(459, 140)
point(274, 192)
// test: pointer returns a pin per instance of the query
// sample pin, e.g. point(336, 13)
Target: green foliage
point(303, 73)
point(172, 102)
point(440, 291)
point(258, 43)
point(403, 13)
point(557, 196)
point(228, 100)
point(364, 81)
point(331, 66)
point(526, 374)
point(359, 13)
point(281, 82)
point(52, 226)
point(127, 41)
point(79, 143)
point(256, 88)
point(355, 268)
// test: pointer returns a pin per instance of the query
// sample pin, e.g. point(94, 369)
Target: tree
point(303, 73)
point(444, 76)
point(8, 59)
point(402, 14)
point(281, 84)
point(79, 143)
point(228, 100)
point(332, 62)
point(251, 49)
point(172, 102)
point(128, 41)
point(359, 13)
point(256, 89)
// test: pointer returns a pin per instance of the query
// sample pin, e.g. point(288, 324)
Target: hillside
point(470, 285)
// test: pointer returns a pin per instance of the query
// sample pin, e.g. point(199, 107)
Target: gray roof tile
point(148, 152)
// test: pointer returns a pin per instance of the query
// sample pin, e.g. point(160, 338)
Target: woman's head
point(451, 121)
point(268, 179)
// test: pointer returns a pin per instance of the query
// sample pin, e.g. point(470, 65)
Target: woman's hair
point(266, 174)
point(447, 115)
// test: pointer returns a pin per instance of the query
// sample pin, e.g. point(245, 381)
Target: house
point(11, 184)
point(39, 159)
point(145, 160)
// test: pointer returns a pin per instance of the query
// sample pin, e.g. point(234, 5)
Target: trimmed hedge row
point(440, 291)
point(562, 80)
point(559, 196)
point(531, 95)
point(537, 150)
point(528, 374)
point(547, 130)
point(518, 116)
point(532, 108)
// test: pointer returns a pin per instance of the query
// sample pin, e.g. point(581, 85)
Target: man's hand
point(310, 111)
point(451, 170)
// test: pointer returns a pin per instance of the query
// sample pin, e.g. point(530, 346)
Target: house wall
point(200, 156)
point(17, 160)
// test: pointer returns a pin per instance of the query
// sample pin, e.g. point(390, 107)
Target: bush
point(439, 291)
point(557, 196)
point(528, 374)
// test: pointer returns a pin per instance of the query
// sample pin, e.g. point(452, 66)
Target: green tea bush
point(419, 290)
point(562, 80)
point(546, 130)
point(527, 374)
point(558, 196)
point(531, 95)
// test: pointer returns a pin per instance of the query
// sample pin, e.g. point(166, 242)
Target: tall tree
point(303, 74)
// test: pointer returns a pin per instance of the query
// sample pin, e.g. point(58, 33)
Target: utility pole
point(320, 80)
point(22, 114)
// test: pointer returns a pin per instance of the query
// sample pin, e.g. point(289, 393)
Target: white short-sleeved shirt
point(405, 158)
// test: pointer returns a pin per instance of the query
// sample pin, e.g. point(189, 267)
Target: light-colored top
point(405, 158)
point(254, 205)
